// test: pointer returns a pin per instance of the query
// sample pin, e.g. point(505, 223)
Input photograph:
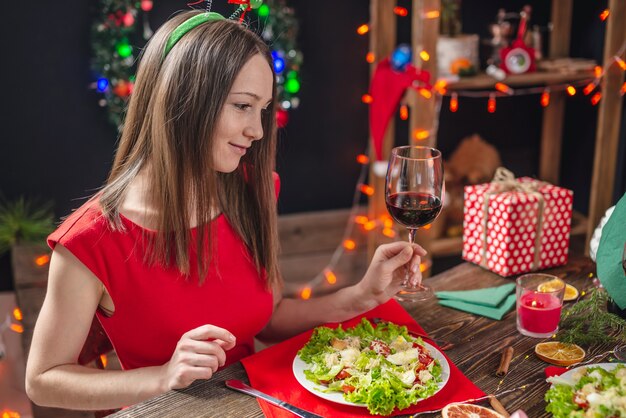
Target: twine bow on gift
point(503, 182)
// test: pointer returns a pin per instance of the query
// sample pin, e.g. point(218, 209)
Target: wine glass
point(413, 194)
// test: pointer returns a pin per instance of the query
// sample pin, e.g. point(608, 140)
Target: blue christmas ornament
point(401, 57)
point(279, 62)
point(102, 85)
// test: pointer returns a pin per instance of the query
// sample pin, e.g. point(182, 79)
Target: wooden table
point(479, 342)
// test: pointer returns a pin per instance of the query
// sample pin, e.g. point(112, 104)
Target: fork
point(443, 344)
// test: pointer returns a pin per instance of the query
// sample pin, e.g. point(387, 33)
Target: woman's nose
point(254, 130)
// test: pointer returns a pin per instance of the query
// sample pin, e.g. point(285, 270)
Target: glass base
point(414, 294)
point(536, 334)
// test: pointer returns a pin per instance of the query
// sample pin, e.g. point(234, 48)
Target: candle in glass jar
point(539, 312)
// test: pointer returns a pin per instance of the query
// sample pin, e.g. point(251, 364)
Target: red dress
point(155, 306)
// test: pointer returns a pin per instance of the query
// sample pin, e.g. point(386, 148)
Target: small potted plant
point(457, 53)
point(24, 226)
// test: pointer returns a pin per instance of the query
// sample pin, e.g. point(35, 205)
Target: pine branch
point(587, 322)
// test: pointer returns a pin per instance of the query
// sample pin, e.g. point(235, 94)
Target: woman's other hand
point(388, 269)
point(198, 355)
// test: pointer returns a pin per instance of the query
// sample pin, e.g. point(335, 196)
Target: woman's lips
point(239, 149)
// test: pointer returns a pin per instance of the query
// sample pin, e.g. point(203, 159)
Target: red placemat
point(270, 371)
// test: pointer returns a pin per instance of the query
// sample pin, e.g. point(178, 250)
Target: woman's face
point(239, 123)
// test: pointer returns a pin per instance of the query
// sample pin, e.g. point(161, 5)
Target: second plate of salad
point(381, 368)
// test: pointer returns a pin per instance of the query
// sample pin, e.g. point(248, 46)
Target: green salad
point(593, 392)
point(383, 367)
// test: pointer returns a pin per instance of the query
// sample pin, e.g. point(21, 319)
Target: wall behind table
point(56, 143)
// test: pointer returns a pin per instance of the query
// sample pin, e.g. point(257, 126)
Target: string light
point(367, 190)
point(491, 103)
point(362, 159)
point(17, 314)
point(620, 62)
point(431, 14)
point(622, 91)
point(454, 102)
point(503, 88)
point(440, 86)
point(401, 11)
point(42, 260)
point(370, 57)
point(10, 414)
point(349, 244)
point(425, 56)
point(404, 112)
point(571, 90)
point(17, 328)
point(330, 276)
point(104, 360)
point(305, 293)
point(389, 232)
point(545, 97)
point(367, 99)
point(597, 71)
point(421, 134)
point(370, 225)
point(589, 88)
point(425, 93)
point(361, 220)
point(596, 98)
point(363, 29)
point(605, 14)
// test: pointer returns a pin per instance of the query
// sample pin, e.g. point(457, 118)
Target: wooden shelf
point(484, 81)
point(442, 247)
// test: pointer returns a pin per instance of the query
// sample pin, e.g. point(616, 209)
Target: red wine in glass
point(412, 209)
point(413, 194)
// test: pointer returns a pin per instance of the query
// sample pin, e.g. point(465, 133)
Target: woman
point(177, 255)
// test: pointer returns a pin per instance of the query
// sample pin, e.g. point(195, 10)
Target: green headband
point(188, 25)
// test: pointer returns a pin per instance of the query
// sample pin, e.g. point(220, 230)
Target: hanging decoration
point(122, 27)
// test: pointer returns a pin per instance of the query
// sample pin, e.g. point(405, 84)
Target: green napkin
point(491, 302)
point(610, 251)
point(490, 296)
point(494, 313)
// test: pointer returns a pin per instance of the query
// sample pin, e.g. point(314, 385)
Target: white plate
point(567, 377)
point(299, 366)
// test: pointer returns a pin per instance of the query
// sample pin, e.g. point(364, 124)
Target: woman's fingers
point(207, 331)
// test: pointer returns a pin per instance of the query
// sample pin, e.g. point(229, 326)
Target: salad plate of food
point(595, 390)
point(381, 368)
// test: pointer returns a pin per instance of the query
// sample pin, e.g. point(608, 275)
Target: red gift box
point(513, 226)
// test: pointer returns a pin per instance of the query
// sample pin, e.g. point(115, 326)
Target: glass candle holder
point(539, 300)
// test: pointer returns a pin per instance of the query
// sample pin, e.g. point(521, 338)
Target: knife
point(238, 385)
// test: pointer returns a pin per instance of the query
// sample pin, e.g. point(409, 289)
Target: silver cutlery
point(238, 385)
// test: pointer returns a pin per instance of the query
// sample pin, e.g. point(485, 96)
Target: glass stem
point(412, 232)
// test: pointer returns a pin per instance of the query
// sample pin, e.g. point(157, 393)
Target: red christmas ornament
point(128, 19)
point(282, 117)
point(123, 89)
point(146, 5)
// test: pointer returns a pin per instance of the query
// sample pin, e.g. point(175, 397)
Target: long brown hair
point(172, 115)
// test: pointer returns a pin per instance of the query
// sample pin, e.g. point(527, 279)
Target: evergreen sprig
point(24, 221)
point(587, 322)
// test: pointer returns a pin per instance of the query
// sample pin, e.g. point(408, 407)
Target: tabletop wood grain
point(478, 345)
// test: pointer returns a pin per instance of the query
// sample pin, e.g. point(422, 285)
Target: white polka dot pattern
point(512, 228)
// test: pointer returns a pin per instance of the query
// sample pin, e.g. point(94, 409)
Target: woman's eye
point(242, 106)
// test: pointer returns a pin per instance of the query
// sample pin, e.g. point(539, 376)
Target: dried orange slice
point(465, 410)
point(561, 354)
point(571, 293)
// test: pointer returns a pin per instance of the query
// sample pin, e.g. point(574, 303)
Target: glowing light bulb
point(404, 112)
point(104, 360)
point(388, 232)
point(330, 276)
point(620, 62)
point(589, 88)
point(361, 220)
point(42, 260)
point(369, 225)
point(571, 90)
point(366, 189)
point(370, 57)
point(595, 99)
point(431, 14)
point(421, 134)
point(367, 99)
point(425, 56)
point(363, 29)
point(401, 11)
point(597, 71)
point(17, 328)
point(426, 93)
point(17, 314)
point(454, 102)
point(491, 103)
point(605, 14)
point(305, 293)
point(622, 91)
point(349, 244)
point(501, 87)
point(362, 159)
